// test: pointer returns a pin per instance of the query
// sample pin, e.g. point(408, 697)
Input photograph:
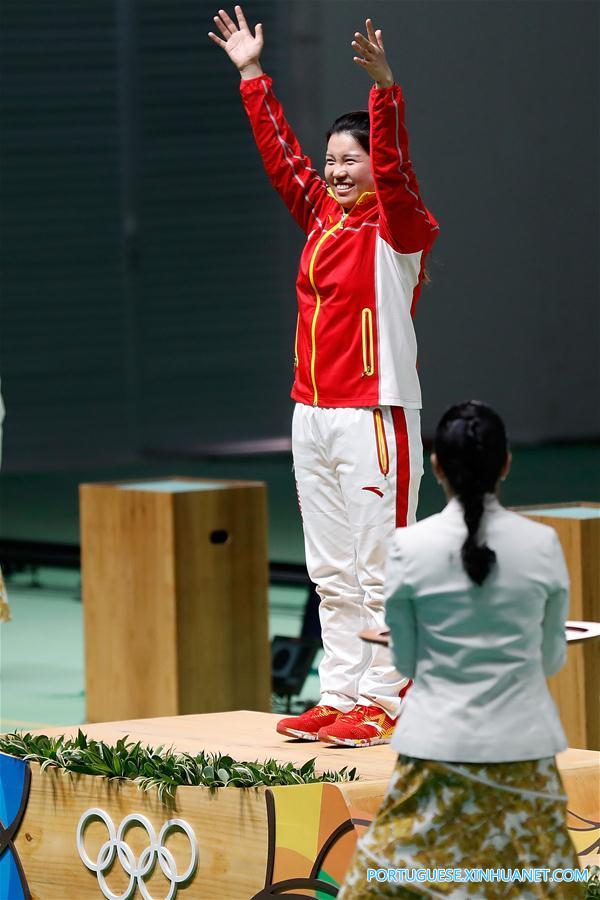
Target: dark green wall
point(147, 270)
point(144, 301)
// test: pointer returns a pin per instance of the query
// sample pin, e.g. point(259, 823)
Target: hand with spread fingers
point(373, 57)
point(241, 46)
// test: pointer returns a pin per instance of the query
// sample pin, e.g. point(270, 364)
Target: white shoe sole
point(349, 742)
point(304, 735)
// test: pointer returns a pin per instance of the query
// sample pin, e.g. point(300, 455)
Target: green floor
point(41, 653)
point(41, 650)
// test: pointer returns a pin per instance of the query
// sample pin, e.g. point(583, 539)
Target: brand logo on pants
point(375, 490)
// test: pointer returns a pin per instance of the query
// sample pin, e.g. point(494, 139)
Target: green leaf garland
point(158, 768)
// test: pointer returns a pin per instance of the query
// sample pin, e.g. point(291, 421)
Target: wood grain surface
point(230, 827)
point(576, 688)
point(230, 824)
point(174, 622)
point(245, 735)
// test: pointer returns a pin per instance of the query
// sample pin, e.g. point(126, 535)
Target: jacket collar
point(365, 202)
point(491, 504)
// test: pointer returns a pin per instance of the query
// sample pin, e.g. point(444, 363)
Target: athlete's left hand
point(372, 56)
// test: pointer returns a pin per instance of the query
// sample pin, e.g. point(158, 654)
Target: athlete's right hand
point(242, 48)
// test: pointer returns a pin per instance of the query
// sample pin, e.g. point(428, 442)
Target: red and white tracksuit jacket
point(360, 273)
point(356, 431)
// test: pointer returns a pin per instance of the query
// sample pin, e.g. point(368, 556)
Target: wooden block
point(575, 690)
point(580, 773)
point(580, 541)
point(249, 841)
point(175, 582)
point(245, 839)
point(230, 827)
point(576, 687)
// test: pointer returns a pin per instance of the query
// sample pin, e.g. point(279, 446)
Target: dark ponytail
point(471, 448)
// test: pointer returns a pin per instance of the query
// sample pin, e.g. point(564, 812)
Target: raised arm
point(405, 222)
point(291, 173)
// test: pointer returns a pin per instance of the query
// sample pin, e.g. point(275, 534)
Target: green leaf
point(308, 766)
point(158, 769)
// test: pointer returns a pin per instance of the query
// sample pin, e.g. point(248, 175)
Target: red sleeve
point(405, 223)
point(300, 186)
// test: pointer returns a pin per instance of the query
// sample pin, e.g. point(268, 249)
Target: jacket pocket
point(296, 341)
point(383, 456)
point(367, 341)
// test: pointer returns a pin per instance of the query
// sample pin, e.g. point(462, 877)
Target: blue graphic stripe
point(10, 880)
point(12, 780)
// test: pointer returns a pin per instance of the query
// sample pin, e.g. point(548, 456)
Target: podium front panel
point(175, 590)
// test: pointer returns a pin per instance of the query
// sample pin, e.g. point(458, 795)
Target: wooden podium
point(249, 842)
point(175, 581)
point(576, 687)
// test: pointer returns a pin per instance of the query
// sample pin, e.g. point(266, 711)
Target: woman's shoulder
point(522, 528)
point(422, 533)
point(449, 526)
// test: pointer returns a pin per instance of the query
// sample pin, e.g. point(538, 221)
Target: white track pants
point(358, 473)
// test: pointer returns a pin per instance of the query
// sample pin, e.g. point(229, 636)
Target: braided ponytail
point(471, 448)
point(477, 558)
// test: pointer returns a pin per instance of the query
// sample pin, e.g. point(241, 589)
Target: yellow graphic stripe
point(367, 342)
point(313, 330)
point(382, 448)
point(292, 807)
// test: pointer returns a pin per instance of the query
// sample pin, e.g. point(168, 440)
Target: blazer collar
point(491, 504)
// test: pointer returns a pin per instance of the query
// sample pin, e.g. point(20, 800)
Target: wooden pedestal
point(576, 687)
point(248, 843)
point(175, 580)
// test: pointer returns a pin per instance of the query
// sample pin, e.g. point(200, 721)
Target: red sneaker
point(307, 725)
point(363, 726)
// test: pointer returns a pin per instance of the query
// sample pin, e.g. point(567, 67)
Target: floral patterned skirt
point(440, 815)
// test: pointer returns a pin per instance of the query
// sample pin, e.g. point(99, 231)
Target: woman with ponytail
point(477, 598)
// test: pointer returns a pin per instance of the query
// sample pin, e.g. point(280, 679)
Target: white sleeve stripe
point(289, 156)
point(401, 163)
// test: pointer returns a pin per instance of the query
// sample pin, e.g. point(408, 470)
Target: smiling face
point(347, 168)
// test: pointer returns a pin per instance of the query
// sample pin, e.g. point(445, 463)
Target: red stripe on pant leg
point(402, 465)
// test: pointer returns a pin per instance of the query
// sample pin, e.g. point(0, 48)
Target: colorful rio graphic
point(15, 782)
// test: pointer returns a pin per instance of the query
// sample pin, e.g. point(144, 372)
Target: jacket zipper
point(313, 330)
point(367, 341)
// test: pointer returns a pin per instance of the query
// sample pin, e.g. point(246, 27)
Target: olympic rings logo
point(141, 868)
